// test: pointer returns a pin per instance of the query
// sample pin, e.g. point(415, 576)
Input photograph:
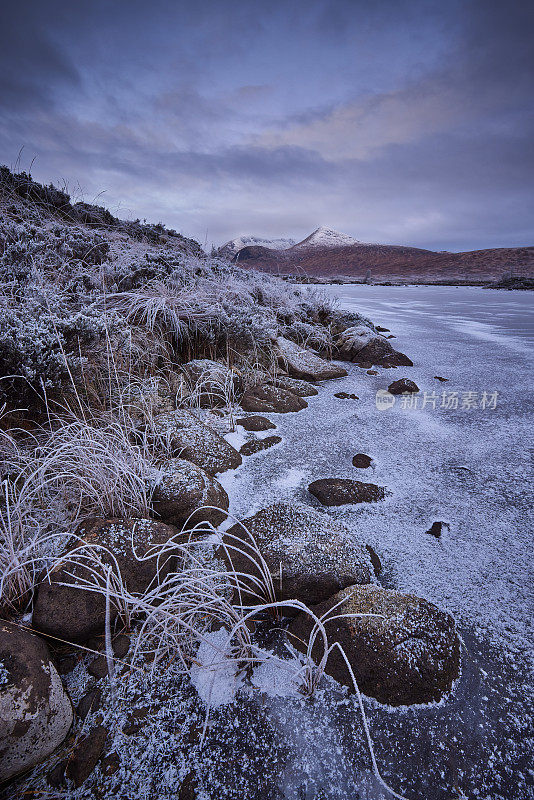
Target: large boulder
point(295, 385)
point(213, 383)
point(182, 490)
point(309, 555)
point(74, 614)
point(302, 363)
point(266, 398)
point(361, 345)
point(35, 712)
point(408, 654)
point(341, 491)
point(191, 439)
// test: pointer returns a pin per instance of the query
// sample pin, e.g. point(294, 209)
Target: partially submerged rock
point(437, 528)
point(181, 492)
point(295, 385)
point(361, 461)
point(403, 386)
point(302, 363)
point(35, 711)
point(346, 396)
point(191, 439)
point(271, 398)
point(408, 654)
point(74, 614)
point(309, 555)
point(341, 491)
point(257, 445)
point(255, 423)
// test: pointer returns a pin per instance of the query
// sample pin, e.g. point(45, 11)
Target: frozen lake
point(463, 456)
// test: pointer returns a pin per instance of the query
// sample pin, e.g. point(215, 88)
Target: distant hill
point(229, 249)
point(327, 254)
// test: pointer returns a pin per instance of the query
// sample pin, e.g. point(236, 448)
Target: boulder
point(346, 396)
point(191, 439)
point(361, 461)
point(361, 345)
point(181, 488)
point(409, 654)
point(309, 555)
point(302, 363)
point(403, 386)
point(271, 398)
point(257, 445)
point(74, 614)
point(213, 383)
point(341, 491)
point(255, 423)
point(381, 353)
point(302, 388)
point(35, 712)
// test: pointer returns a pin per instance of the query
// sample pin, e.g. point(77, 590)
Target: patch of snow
point(215, 676)
point(326, 237)
point(276, 677)
point(235, 245)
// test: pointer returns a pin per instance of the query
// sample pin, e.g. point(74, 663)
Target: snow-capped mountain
point(326, 237)
point(235, 245)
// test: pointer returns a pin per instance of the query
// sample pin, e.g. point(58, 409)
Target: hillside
point(391, 262)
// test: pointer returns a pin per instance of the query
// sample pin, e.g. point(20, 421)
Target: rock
point(315, 554)
point(66, 664)
point(181, 489)
point(439, 378)
point(375, 559)
point(155, 395)
point(403, 386)
point(437, 528)
point(302, 388)
point(361, 461)
point(255, 423)
point(362, 346)
point(302, 363)
point(110, 764)
point(56, 776)
point(381, 353)
point(410, 654)
point(353, 339)
point(372, 372)
point(380, 329)
point(98, 668)
point(89, 703)
point(271, 398)
point(213, 383)
point(256, 445)
point(346, 396)
point(86, 755)
point(191, 439)
point(341, 491)
point(35, 711)
point(75, 614)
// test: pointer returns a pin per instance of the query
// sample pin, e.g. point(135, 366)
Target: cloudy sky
point(398, 121)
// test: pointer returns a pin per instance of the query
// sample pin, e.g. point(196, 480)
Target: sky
point(394, 121)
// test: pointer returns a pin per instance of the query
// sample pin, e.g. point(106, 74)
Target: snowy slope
point(235, 245)
point(326, 237)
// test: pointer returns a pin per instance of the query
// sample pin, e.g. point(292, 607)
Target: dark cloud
point(401, 120)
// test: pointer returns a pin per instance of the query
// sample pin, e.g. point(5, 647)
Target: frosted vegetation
point(97, 316)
